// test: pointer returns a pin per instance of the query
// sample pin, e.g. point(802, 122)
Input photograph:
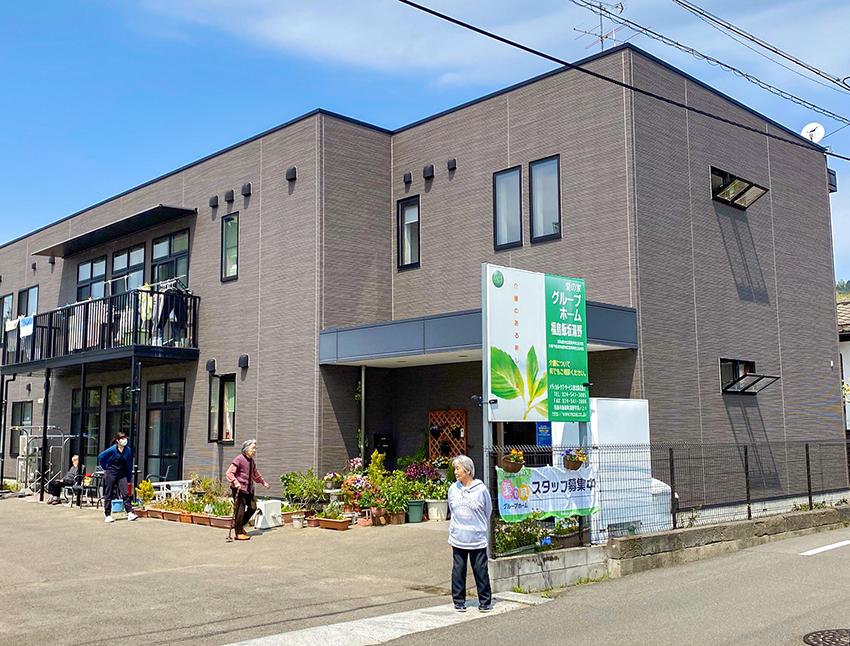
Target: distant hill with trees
point(842, 291)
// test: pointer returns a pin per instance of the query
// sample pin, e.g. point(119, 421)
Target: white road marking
point(825, 548)
point(377, 630)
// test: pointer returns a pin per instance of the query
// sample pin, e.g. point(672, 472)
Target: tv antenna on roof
point(602, 36)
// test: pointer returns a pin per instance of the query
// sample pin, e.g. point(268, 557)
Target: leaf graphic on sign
point(542, 407)
point(531, 372)
point(505, 378)
point(539, 387)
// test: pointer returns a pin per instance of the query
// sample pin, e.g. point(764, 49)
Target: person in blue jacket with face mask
point(117, 465)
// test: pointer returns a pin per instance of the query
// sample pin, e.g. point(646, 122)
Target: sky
point(99, 96)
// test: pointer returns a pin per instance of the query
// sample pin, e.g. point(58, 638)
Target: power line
point(743, 42)
point(608, 79)
point(646, 31)
point(843, 83)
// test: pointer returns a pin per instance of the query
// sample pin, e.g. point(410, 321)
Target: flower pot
point(512, 467)
point(437, 509)
point(415, 509)
point(379, 517)
point(435, 431)
point(155, 513)
point(312, 521)
point(287, 516)
point(185, 517)
point(348, 508)
point(339, 525)
point(457, 433)
point(171, 515)
point(572, 465)
point(201, 519)
point(141, 512)
point(364, 521)
point(299, 521)
point(224, 522)
point(397, 518)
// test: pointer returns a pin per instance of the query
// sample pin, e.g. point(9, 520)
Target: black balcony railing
point(141, 317)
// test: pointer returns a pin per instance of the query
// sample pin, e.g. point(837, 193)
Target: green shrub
point(332, 511)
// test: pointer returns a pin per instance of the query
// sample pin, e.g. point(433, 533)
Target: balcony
point(138, 324)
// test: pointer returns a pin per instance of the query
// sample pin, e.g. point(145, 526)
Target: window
point(91, 421)
point(230, 247)
point(408, 233)
point(21, 416)
point(507, 208)
point(170, 258)
point(740, 377)
point(545, 198)
point(91, 279)
point(28, 301)
point(117, 410)
point(5, 315)
point(222, 413)
point(734, 191)
point(128, 269)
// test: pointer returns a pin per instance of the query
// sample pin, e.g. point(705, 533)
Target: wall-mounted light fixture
point(52, 260)
point(34, 266)
point(243, 361)
point(214, 201)
point(428, 171)
point(246, 189)
point(228, 195)
point(451, 164)
point(290, 174)
point(408, 178)
point(211, 365)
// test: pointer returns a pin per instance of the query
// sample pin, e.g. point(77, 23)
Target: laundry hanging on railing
point(27, 325)
point(11, 324)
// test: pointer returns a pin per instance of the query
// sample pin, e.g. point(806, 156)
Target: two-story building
point(324, 277)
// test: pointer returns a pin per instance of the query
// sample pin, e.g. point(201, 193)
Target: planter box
point(185, 517)
point(201, 519)
point(332, 523)
point(397, 519)
point(172, 515)
point(141, 512)
point(312, 521)
point(437, 509)
point(154, 513)
point(225, 522)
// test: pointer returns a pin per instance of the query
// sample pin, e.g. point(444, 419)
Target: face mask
point(122, 442)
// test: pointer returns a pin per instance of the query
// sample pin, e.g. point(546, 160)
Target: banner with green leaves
point(547, 492)
point(535, 346)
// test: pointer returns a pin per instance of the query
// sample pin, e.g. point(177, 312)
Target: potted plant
point(196, 509)
point(435, 431)
point(437, 499)
point(221, 513)
point(456, 430)
point(513, 461)
point(288, 511)
point(566, 533)
point(145, 494)
point(395, 494)
point(373, 500)
point(299, 520)
point(331, 517)
point(332, 480)
point(442, 463)
point(574, 459)
point(416, 502)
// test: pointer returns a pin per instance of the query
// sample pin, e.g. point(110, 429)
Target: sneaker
point(485, 608)
point(131, 516)
point(460, 607)
point(109, 519)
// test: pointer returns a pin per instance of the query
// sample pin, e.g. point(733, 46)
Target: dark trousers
point(115, 486)
point(55, 488)
point(478, 558)
point(245, 508)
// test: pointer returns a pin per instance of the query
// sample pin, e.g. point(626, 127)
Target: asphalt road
point(765, 596)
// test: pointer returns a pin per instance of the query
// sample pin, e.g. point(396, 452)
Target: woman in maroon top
point(242, 474)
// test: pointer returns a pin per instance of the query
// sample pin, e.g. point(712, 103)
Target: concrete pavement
point(764, 596)
point(66, 577)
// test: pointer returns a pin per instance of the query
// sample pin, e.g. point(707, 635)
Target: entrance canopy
point(453, 338)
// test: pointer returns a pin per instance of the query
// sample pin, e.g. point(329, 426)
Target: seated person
point(70, 479)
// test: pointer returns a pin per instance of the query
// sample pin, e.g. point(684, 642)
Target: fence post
point(674, 501)
point(747, 480)
point(809, 477)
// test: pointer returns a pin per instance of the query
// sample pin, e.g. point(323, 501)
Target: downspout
point(4, 386)
point(363, 414)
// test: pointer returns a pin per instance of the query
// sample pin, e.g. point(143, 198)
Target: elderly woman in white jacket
point(470, 506)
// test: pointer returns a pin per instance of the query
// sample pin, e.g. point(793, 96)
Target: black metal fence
point(644, 488)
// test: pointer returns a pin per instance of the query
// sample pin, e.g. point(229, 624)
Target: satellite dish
point(813, 132)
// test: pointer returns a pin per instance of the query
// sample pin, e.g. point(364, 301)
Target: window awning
point(142, 220)
point(750, 384)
